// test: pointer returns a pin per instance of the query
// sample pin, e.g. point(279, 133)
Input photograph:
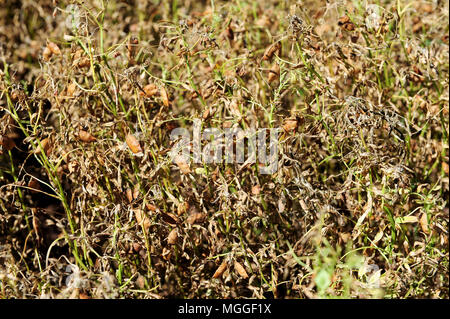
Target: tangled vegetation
point(92, 206)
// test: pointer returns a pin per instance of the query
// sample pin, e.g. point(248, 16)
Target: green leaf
point(406, 219)
point(322, 280)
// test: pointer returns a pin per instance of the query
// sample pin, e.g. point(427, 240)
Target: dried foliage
point(93, 207)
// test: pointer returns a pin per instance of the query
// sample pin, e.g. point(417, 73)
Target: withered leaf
point(131, 49)
point(36, 223)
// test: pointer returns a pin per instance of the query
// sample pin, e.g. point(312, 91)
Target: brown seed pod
point(140, 282)
point(227, 124)
point(195, 217)
point(78, 54)
point(166, 254)
point(290, 125)
point(164, 96)
point(194, 95)
point(6, 143)
point(136, 191)
point(170, 218)
point(256, 190)
point(132, 49)
point(47, 54)
point(427, 7)
point(240, 270)
point(208, 113)
point(136, 247)
point(133, 144)
point(70, 90)
point(83, 296)
point(274, 73)
point(445, 168)
point(345, 23)
point(205, 114)
point(343, 20)
point(79, 60)
point(172, 237)
point(84, 62)
point(219, 272)
point(129, 195)
point(149, 90)
point(86, 136)
point(54, 48)
point(182, 165)
point(142, 219)
point(45, 143)
point(182, 208)
point(229, 33)
point(424, 223)
point(349, 26)
point(34, 184)
point(270, 51)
